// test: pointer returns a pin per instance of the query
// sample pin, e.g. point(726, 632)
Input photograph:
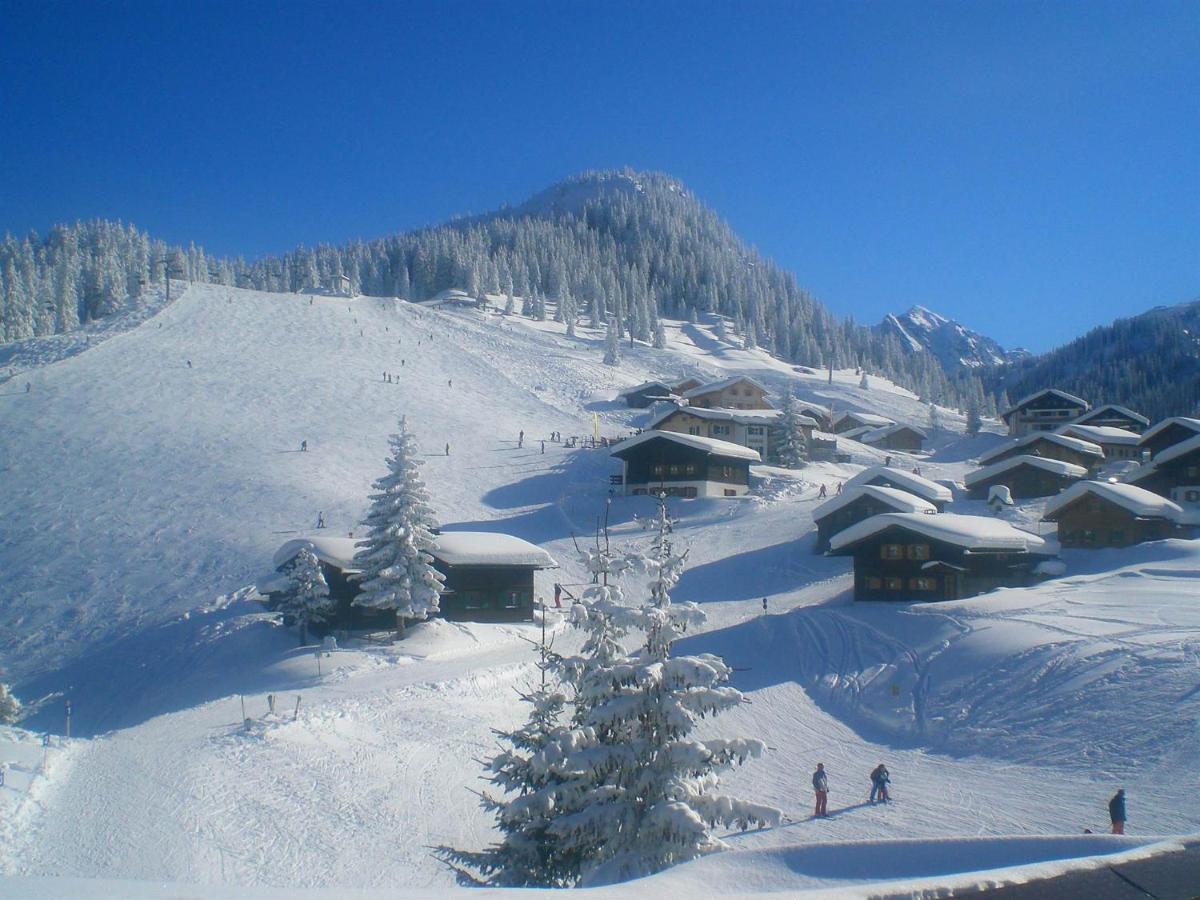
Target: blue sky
point(1032, 169)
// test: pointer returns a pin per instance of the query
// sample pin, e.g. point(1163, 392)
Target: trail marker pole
point(68, 719)
point(296, 714)
point(243, 699)
point(318, 662)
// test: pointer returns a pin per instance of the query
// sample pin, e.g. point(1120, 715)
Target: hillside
point(155, 468)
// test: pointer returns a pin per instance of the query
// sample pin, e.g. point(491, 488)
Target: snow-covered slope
point(150, 493)
point(955, 346)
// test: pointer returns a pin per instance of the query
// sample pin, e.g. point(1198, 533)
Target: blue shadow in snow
point(759, 573)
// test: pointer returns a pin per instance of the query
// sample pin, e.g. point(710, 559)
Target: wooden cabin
point(686, 385)
point(489, 578)
point(819, 414)
point(1048, 445)
point(887, 476)
point(1117, 443)
point(1094, 514)
point(860, 502)
point(1025, 477)
point(895, 437)
point(1168, 433)
point(643, 395)
point(916, 557)
point(1173, 473)
point(1111, 415)
point(738, 392)
point(757, 429)
point(1045, 410)
point(684, 465)
point(849, 421)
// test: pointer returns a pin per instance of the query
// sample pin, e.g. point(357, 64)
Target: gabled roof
point(720, 386)
point(1112, 408)
point(971, 532)
point(1069, 398)
point(1137, 500)
point(1071, 443)
point(914, 484)
point(708, 445)
point(485, 548)
point(337, 551)
point(1183, 448)
point(878, 434)
point(865, 418)
point(1057, 466)
point(741, 416)
point(1101, 434)
point(853, 434)
point(901, 501)
point(647, 384)
point(1184, 421)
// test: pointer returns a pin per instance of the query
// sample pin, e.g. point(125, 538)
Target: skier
point(447, 449)
point(822, 493)
point(887, 460)
point(1116, 812)
point(304, 446)
point(820, 783)
point(879, 783)
point(28, 386)
point(543, 446)
point(839, 489)
point(450, 382)
point(189, 363)
point(521, 439)
point(320, 519)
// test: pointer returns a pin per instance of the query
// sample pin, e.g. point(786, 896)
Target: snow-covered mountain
point(955, 346)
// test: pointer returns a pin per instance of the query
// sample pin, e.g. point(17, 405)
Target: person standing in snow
point(820, 782)
point(304, 446)
point(879, 783)
point(521, 439)
point(320, 519)
point(839, 490)
point(822, 493)
point(447, 449)
point(1116, 812)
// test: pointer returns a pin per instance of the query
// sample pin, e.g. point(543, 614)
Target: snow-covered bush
point(612, 345)
point(306, 599)
point(10, 706)
point(397, 570)
point(793, 447)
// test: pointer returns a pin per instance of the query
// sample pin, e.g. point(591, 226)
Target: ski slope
point(151, 493)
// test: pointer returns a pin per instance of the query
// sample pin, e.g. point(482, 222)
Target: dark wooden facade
point(902, 438)
point(1169, 436)
point(1177, 479)
point(1024, 481)
point(676, 469)
point(1046, 448)
point(647, 395)
point(1094, 522)
point(898, 564)
point(1044, 411)
point(862, 507)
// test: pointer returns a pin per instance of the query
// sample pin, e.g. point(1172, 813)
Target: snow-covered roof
point(914, 484)
point(864, 417)
point(741, 416)
point(1185, 421)
point(854, 434)
point(1057, 466)
point(1101, 434)
point(971, 532)
point(878, 434)
point(1137, 500)
point(1183, 448)
point(485, 548)
point(721, 385)
point(708, 445)
point(1072, 443)
point(1112, 408)
point(644, 385)
point(901, 501)
point(1070, 398)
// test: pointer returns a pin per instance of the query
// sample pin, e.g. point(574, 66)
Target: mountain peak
point(955, 346)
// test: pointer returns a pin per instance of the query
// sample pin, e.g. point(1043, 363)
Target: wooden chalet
point(1025, 476)
point(643, 395)
point(1173, 473)
point(855, 504)
point(1048, 445)
point(848, 421)
point(686, 385)
point(738, 392)
point(757, 429)
point(917, 557)
point(1168, 433)
point(887, 476)
point(819, 414)
point(684, 465)
point(895, 437)
point(1117, 443)
point(1044, 411)
point(1111, 415)
point(1094, 514)
point(489, 578)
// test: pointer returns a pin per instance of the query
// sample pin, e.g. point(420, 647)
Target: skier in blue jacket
point(1116, 812)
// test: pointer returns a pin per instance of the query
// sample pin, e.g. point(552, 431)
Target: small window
point(918, 551)
point(755, 430)
point(694, 429)
point(689, 469)
point(1191, 496)
point(673, 470)
point(895, 584)
point(657, 469)
point(922, 584)
point(729, 492)
point(873, 583)
point(512, 599)
point(727, 472)
point(1193, 471)
point(891, 551)
point(474, 600)
point(720, 429)
point(689, 493)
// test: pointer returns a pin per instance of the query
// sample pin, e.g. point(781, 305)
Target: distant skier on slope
point(1116, 812)
point(822, 493)
point(820, 782)
point(879, 783)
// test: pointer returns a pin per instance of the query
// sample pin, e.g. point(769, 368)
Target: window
point(694, 429)
point(657, 469)
point(689, 469)
point(1191, 496)
point(922, 584)
point(873, 583)
point(729, 492)
point(474, 600)
point(917, 551)
point(895, 584)
point(756, 430)
point(727, 472)
point(720, 429)
point(891, 551)
point(1193, 471)
point(673, 470)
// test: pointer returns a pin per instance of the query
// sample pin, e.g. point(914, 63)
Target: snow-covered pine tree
point(510, 304)
point(612, 345)
point(397, 571)
point(864, 382)
point(974, 421)
point(792, 448)
point(935, 417)
point(306, 600)
point(660, 335)
point(10, 706)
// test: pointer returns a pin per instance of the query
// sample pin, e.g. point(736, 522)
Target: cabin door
point(951, 589)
